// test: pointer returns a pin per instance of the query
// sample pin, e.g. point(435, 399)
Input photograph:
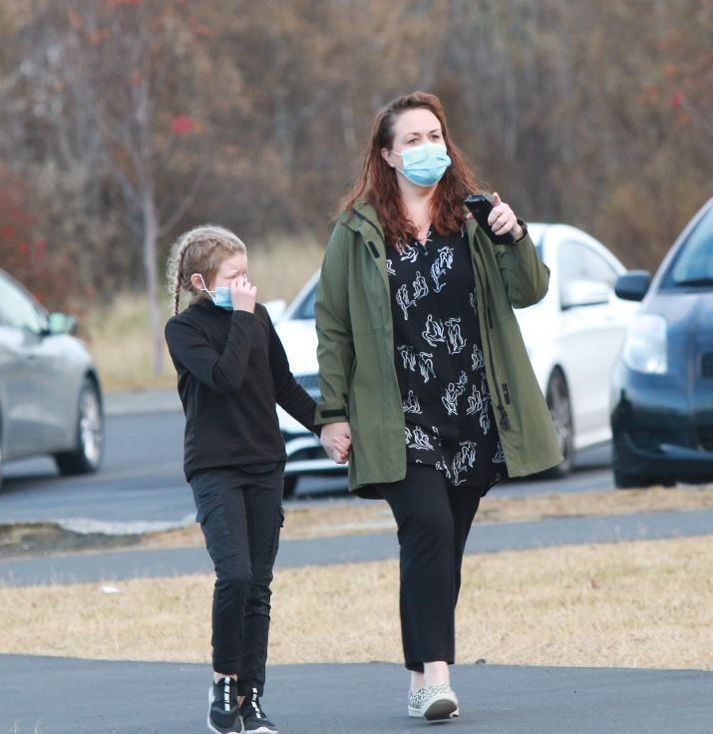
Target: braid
point(178, 277)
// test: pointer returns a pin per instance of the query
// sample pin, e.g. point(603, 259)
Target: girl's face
point(413, 127)
point(233, 267)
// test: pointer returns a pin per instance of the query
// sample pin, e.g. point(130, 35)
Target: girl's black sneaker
point(254, 717)
point(223, 714)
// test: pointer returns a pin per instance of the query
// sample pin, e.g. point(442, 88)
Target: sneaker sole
point(261, 730)
point(210, 725)
point(441, 710)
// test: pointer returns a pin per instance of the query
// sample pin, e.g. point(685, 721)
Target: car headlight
point(645, 348)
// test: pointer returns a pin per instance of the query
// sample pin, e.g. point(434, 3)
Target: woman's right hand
point(336, 439)
point(243, 294)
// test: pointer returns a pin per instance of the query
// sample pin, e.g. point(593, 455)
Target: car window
point(694, 263)
point(305, 310)
point(17, 309)
point(578, 261)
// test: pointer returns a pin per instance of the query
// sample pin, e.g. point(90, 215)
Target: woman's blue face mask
point(425, 164)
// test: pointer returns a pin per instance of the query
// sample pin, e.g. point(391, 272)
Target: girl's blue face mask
point(220, 296)
point(425, 164)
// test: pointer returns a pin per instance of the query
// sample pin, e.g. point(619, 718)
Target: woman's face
point(411, 128)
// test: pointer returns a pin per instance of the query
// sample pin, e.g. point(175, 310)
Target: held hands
point(502, 219)
point(336, 440)
point(243, 294)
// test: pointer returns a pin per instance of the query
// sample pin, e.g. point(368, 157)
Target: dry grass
point(119, 336)
point(644, 604)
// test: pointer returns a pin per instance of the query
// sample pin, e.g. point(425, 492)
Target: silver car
point(50, 395)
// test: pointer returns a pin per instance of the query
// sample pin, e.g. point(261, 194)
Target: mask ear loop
point(204, 288)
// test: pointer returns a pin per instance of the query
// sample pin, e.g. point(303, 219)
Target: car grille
point(651, 440)
point(707, 365)
point(309, 382)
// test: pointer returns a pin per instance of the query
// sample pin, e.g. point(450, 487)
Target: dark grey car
point(50, 395)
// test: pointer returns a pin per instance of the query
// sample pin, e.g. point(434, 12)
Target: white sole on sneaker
point(440, 705)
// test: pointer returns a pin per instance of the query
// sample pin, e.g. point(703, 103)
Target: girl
point(422, 363)
point(232, 370)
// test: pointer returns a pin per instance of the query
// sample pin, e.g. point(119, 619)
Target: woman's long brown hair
point(377, 183)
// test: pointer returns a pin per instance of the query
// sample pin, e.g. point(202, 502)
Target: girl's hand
point(243, 294)
point(502, 219)
point(336, 439)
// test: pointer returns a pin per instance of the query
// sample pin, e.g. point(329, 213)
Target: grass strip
point(638, 604)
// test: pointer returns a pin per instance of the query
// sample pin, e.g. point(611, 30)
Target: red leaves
point(182, 125)
point(676, 100)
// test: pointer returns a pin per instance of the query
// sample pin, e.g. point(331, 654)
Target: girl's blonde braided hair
point(200, 250)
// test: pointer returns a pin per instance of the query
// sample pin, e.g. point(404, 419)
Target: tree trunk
point(150, 236)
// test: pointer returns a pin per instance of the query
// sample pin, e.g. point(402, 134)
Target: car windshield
point(693, 266)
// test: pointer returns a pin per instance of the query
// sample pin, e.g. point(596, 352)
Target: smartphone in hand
point(480, 207)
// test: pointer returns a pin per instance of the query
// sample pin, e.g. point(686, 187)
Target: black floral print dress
point(439, 362)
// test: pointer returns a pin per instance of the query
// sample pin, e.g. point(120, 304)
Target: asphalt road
point(67, 696)
point(141, 480)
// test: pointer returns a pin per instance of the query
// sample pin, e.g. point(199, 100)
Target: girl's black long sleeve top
point(232, 372)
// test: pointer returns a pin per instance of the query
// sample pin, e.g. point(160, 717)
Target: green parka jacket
point(356, 350)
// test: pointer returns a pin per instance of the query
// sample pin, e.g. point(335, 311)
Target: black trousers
point(240, 511)
point(433, 519)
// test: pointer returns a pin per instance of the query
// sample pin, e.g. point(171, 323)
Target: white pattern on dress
point(453, 392)
point(411, 404)
point(390, 267)
point(485, 410)
point(499, 457)
point(418, 439)
point(456, 343)
point(420, 287)
point(476, 358)
point(402, 298)
point(408, 357)
point(473, 298)
point(439, 268)
point(475, 401)
point(463, 461)
point(425, 365)
point(434, 333)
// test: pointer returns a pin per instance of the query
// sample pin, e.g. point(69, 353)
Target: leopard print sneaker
point(433, 703)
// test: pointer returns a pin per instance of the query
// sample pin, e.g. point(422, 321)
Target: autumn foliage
point(125, 121)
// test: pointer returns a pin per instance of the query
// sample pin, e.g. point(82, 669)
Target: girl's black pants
point(240, 511)
point(433, 519)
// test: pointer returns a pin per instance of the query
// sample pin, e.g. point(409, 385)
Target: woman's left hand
point(502, 218)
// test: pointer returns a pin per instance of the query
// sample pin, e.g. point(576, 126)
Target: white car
point(572, 336)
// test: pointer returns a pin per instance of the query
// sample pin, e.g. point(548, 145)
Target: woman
point(422, 364)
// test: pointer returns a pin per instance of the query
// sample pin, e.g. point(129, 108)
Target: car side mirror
point(633, 286)
point(275, 309)
point(61, 323)
point(584, 293)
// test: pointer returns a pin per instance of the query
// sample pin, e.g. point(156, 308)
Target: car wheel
point(290, 485)
point(87, 455)
point(560, 405)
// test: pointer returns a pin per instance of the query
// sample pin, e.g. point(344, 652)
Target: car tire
point(290, 486)
point(560, 405)
point(87, 456)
